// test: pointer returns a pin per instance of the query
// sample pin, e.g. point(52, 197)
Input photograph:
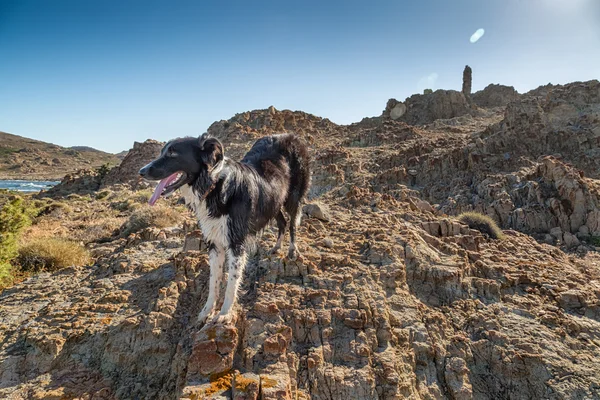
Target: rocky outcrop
point(538, 200)
point(467, 82)
point(240, 132)
point(565, 123)
point(89, 181)
point(393, 297)
point(394, 109)
point(442, 104)
point(495, 96)
point(427, 309)
point(127, 172)
point(84, 181)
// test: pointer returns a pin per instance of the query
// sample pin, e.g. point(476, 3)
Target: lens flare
point(477, 35)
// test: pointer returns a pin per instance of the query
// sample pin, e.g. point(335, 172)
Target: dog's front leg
point(216, 258)
point(237, 263)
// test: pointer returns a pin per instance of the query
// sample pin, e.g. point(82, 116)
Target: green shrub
point(123, 205)
point(6, 275)
point(102, 171)
point(14, 217)
point(147, 216)
point(427, 91)
point(103, 194)
point(51, 254)
point(5, 151)
point(482, 223)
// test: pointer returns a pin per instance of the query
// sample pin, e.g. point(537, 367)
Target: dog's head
point(184, 161)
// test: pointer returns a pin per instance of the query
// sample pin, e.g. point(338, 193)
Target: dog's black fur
point(236, 199)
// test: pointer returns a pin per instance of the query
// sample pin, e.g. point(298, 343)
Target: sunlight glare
point(477, 35)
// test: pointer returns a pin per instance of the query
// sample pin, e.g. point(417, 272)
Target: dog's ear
point(211, 149)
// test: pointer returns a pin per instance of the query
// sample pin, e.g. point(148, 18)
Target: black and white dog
point(234, 200)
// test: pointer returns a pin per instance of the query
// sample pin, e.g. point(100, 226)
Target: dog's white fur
point(215, 231)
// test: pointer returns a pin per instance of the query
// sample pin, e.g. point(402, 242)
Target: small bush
point(142, 196)
point(482, 223)
point(595, 241)
point(102, 171)
point(124, 205)
point(56, 207)
point(103, 194)
point(14, 217)
point(427, 91)
point(5, 151)
point(51, 254)
point(6, 275)
point(101, 230)
point(147, 216)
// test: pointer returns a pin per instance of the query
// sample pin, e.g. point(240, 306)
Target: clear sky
point(104, 73)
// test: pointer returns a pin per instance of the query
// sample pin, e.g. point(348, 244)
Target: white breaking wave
point(26, 186)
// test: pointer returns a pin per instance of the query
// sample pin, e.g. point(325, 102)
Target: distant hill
point(84, 148)
point(122, 154)
point(24, 158)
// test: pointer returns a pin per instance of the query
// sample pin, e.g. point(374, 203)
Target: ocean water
point(27, 186)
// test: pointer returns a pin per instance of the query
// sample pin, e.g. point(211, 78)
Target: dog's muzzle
point(144, 171)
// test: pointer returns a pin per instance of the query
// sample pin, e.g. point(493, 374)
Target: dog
point(234, 200)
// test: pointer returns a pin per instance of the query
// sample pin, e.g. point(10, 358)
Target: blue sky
point(105, 73)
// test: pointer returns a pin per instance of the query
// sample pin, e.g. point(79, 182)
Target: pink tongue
point(159, 188)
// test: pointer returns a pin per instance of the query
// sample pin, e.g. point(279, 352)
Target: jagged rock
point(495, 96)
point(194, 241)
point(246, 387)
point(127, 172)
point(441, 104)
point(316, 210)
point(570, 240)
point(80, 182)
point(408, 303)
point(467, 82)
point(394, 109)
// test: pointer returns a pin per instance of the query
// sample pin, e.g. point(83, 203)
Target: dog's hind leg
point(216, 258)
point(236, 259)
point(281, 225)
point(295, 216)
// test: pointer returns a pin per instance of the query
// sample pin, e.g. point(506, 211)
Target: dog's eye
point(171, 153)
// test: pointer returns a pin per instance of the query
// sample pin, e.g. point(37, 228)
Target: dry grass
point(103, 194)
point(51, 254)
point(482, 223)
point(57, 209)
point(142, 196)
point(101, 229)
point(147, 216)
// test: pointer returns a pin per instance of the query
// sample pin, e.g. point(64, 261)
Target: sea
point(27, 186)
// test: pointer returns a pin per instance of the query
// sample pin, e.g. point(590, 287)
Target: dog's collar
point(210, 189)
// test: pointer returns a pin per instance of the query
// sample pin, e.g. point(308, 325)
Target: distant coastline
point(27, 185)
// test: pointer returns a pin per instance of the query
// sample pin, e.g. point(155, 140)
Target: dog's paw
point(274, 250)
point(223, 319)
point(203, 316)
point(294, 255)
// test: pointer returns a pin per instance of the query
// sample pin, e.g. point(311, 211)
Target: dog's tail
point(298, 157)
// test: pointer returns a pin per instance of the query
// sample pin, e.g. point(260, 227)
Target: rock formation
point(127, 172)
point(467, 82)
point(495, 96)
point(393, 298)
point(394, 109)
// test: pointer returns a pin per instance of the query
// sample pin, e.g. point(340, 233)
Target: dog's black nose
point(144, 170)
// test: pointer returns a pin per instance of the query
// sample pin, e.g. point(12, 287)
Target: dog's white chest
point(214, 230)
